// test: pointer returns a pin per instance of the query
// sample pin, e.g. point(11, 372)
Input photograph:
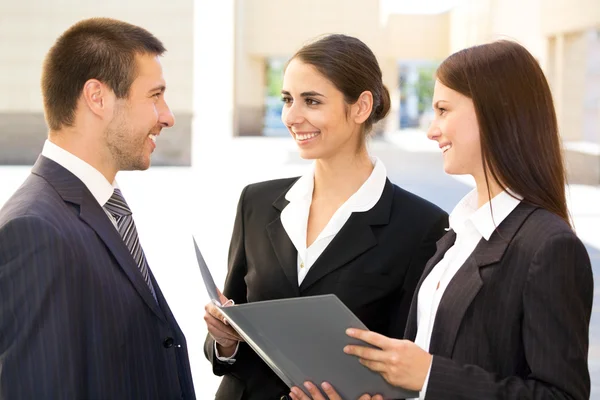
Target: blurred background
point(224, 69)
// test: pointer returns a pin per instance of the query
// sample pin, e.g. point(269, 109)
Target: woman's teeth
point(306, 136)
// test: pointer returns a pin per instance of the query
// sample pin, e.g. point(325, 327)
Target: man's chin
point(141, 165)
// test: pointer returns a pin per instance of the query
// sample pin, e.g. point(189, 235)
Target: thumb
point(222, 298)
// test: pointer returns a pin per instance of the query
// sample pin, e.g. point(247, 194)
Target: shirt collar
point(364, 199)
point(484, 219)
point(96, 183)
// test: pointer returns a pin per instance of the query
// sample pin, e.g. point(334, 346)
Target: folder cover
point(302, 339)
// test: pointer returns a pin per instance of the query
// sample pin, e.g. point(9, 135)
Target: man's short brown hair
point(96, 48)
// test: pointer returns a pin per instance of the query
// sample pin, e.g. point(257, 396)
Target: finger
point(373, 338)
point(216, 327)
point(374, 365)
point(222, 297)
point(215, 312)
point(223, 341)
point(366, 353)
point(331, 393)
point(225, 329)
point(210, 319)
point(314, 391)
point(297, 394)
point(377, 397)
point(366, 397)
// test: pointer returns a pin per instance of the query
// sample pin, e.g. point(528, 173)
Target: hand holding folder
point(217, 324)
point(331, 394)
point(302, 339)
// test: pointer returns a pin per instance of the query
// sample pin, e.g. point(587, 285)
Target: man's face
point(139, 119)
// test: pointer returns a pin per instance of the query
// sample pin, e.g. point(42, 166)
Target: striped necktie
point(119, 209)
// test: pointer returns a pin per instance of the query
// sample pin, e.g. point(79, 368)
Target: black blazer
point(513, 322)
point(372, 265)
point(77, 320)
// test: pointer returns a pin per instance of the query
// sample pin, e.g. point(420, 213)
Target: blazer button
point(168, 343)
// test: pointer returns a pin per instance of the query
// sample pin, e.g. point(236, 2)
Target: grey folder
point(302, 339)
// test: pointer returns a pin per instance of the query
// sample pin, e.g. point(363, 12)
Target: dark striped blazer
point(514, 321)
point(77, 320)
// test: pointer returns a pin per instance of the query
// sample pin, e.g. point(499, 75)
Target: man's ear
point(98, 98)
point(361, 109)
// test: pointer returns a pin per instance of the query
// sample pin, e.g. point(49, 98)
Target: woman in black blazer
point(503, 308)
point(342, 228)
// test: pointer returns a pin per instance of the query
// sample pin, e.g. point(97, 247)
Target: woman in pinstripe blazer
point(502, 310)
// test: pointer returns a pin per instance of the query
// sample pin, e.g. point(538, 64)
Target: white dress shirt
point(96, 183)
point(294, 216)
point(471, 225)
point(294, 219)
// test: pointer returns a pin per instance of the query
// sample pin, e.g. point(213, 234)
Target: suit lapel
point(355, 237)
point(465, 285)
point(284, 249)
point(96, 218)
point(442, 247)
point(72, 190)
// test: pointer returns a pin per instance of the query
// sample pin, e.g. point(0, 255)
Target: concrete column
point(389, 68)
point(213, 97)
point(250, 96)
point(558, 73)
point(574, 85)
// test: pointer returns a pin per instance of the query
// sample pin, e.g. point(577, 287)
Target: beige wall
point(482, 21)
point(274, 28)
point(573, 83)
point(470, 23)
point(29, 27)
point(417, 37)
point(271, 28)
point(557, 33)
point(561, 16)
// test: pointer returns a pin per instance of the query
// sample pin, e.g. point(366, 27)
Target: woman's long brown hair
point(520, 144)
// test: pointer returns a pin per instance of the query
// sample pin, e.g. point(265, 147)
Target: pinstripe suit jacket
point(514, 321)
point(77, 320)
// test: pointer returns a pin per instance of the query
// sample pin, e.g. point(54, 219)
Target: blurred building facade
point(564, 35)
point(28, 28)
point(222, 50)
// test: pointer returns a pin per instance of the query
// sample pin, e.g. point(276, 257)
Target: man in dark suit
point(81, 315)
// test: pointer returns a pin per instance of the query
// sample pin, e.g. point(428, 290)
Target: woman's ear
point(361, 109)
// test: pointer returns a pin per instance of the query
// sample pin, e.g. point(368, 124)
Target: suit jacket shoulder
point(35, 198)
point(542, 225)
point(267, 192)
point(411, 202)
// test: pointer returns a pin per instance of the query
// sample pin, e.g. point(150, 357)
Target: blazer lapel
point(355, 237)
point(96, 218)
point(284, 249)
point(72, 190)
point(442, 246)
point(465, 285)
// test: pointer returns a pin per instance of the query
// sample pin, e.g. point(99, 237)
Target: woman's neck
point(340, 177)
point(486, 191)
